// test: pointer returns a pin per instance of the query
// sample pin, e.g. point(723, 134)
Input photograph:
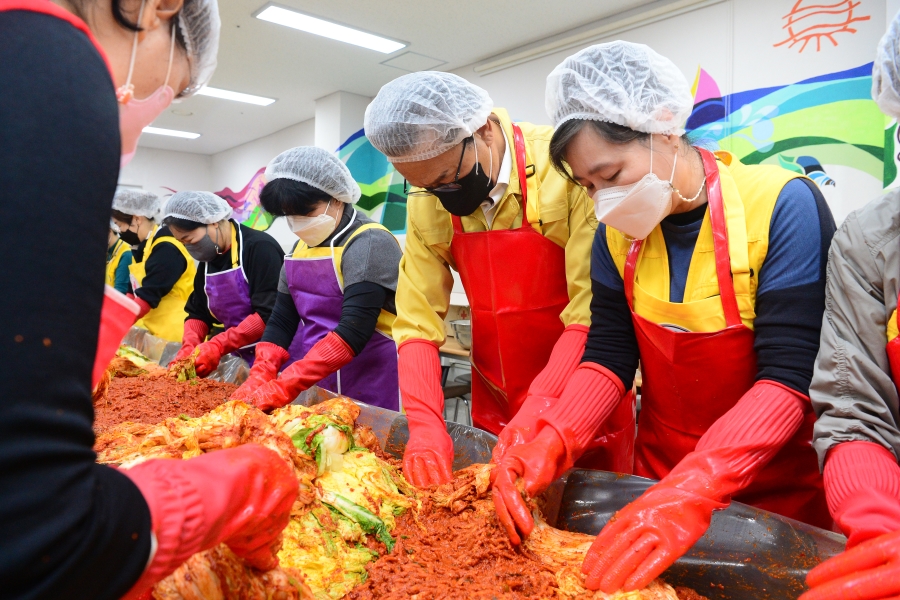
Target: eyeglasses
point(444, 188)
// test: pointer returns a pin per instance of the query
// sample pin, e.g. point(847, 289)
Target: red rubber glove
point(269, 358)
point(871, 571)
point(195, 332)
point(143, 304)
point(327, 356)
point(643, 539)
point(240, 496)
point(244, 333)
point(862, 486)
point(116, 318)
point(544, 391)
point(428, 458)
point(564, 431)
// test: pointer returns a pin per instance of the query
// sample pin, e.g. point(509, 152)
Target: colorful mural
point(382, 187)
point(825, 120)
point(245, 203)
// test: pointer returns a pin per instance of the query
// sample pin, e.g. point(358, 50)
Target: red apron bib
point(691, 379)
point(48, 8)
point(515, 280)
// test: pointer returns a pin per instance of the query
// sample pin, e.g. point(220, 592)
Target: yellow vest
point(113, 264)
point(892, 326)
point(385, 322)
point(166, 321)
point(749, 193)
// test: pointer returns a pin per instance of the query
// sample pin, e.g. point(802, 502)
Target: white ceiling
point(296, 68)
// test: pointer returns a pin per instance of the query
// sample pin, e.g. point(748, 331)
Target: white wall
point(234, 167)
point(151, 169)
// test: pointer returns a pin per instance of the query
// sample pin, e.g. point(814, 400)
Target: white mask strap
point(134, 46)
point(492, 163)
point(674, 162)
point(171, 54)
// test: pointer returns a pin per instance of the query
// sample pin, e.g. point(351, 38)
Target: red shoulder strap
point(49, 8)
point(720, 245)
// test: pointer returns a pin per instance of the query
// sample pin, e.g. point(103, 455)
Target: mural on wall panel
point(826, 127)
point(381, 185)
point(245, 203)
point(811, 20)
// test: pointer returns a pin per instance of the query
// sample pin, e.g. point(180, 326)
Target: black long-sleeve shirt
point(69, 528)
point(165, 266)
point(263, 258)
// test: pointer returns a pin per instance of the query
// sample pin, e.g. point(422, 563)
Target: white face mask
point(312, 230)
point(637, 208)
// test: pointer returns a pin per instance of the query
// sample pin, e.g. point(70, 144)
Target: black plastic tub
point(747, 554)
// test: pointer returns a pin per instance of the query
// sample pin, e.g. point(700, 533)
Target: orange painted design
point(816, 21)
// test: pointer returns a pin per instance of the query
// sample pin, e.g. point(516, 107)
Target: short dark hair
point(182, 224)
point(282, 197)
point(120, 216)
point(80, 7)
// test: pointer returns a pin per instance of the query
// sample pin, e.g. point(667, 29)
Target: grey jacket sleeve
point(852, 391)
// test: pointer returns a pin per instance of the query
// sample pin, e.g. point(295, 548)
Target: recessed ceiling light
point(171, 132)
point(236, 96)
point(290, 18)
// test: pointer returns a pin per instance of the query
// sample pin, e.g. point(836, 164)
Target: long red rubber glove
point(862, 485)
point(643, 539)
point(117, 315)
point(244, 333)
point(428, 458)
point(269, 358)
point(195, 332)
point(325, 357)
point(240, 496)
point(544, 391)
point(565, 430)
point(870, 571)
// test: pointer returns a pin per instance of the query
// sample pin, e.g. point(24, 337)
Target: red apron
point(691, 379)
point(515, 280)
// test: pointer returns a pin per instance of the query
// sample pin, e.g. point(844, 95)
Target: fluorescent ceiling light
point(236, 96)
point(171, 132)
point(290, 18)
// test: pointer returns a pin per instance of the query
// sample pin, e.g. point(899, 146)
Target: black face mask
point(474, 189)
point(130, 237)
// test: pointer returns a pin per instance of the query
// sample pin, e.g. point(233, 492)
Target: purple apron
point(372, 376)
point(228, 294)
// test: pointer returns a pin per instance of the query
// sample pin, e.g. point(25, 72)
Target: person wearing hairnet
point(487, 203)
point(332, 319)
point(713, 274)
point(854, 385)
point(118, 259)
point(73, 528)
point(162, 272)
point(236, 282)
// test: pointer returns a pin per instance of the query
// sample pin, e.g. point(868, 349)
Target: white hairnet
point(318, 168)
point(886, 71)
point(620, 82)
point(136, 202)
point(200, 25)
point(421, 115)
point(200, 207)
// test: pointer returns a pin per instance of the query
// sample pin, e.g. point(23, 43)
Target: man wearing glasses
point(485, 201)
